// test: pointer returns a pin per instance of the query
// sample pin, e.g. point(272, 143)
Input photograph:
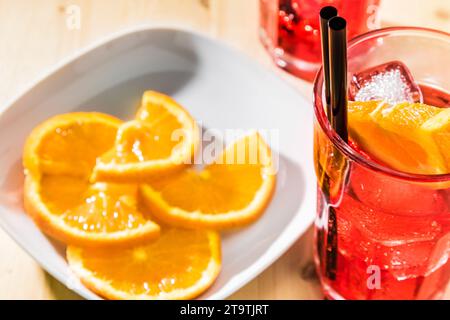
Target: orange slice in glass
point(410, 137)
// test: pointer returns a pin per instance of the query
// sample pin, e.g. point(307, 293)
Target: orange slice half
point(181, 264)
point(69, 143)
point(162, 139)
point(410, 137)
point(232, 191)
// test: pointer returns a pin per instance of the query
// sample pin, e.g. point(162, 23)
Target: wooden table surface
point(34, 36)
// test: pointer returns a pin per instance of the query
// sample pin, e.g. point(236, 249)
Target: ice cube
point(406, 261)
point(391, 82)
point(382, 193)
point(393, 289)
point(413, 260)
point(387, 229)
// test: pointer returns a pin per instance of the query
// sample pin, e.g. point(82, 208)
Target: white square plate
point(222, 89)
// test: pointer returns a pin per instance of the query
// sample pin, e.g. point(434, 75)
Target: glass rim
point(344, 147)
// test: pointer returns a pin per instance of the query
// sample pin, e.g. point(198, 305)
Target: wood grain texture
point(34, 36)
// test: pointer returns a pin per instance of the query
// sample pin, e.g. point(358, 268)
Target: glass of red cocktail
point(381, 232)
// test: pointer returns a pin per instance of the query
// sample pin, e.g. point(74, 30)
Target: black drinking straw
point(335, 69)
point(326, 13)
point(337, 42)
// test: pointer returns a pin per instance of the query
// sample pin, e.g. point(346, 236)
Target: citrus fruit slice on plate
point(162, 139)
point(69, 143)
point(58, 158)
point(410, 137)
point(232, 191)
point(181, 264)
point(75, 211)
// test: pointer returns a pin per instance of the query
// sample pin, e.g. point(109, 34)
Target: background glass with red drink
point(289, 29)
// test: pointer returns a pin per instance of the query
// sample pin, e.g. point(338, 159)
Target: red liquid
point(395, 228)
point(298, 30)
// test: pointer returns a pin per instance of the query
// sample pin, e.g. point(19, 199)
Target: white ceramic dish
point(222, 88)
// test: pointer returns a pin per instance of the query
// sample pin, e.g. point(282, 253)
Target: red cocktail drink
point(290, 29)
point(383, 233)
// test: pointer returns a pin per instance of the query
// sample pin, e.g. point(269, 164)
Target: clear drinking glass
point(381, 233)
point(289, 29)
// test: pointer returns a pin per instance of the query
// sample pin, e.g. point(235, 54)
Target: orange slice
point(438, 128)
point(232, 191)
point(69, 143)
point(59, 156)
point(181, 264)
point(162, 139)
point(408, 137)
point(74, 211)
